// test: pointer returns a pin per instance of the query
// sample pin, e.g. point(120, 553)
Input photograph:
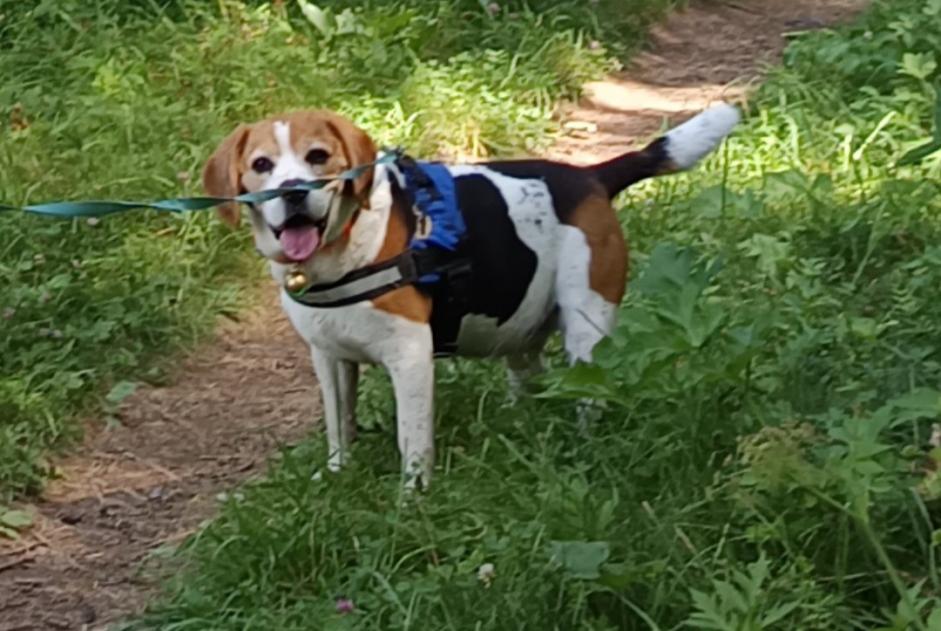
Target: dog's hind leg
point(588, 294)
point(520, 369)
point(338, 381)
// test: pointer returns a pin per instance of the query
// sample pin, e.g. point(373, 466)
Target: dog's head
point(282, 151)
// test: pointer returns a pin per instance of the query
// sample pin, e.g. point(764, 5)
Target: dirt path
point(150, 481)
point(715, 50)
point(141, 486)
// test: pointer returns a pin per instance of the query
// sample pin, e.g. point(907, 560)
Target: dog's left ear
point(359, 149)
point(222, 175)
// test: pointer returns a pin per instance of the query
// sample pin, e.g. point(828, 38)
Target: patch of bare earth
point(150, 481)
point(147, 483)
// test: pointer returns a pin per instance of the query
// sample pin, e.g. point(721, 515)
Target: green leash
point(185, 204)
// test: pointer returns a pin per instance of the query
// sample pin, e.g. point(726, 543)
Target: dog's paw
point(411, 496)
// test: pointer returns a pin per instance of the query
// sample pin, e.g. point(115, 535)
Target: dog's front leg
point(413, 379)
point(338, 380)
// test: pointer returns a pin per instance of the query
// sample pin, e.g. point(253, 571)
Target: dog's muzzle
point(294, 201)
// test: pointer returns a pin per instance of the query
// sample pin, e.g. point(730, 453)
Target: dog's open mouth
point(300, 236)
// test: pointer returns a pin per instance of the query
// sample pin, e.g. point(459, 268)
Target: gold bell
point(295, 281)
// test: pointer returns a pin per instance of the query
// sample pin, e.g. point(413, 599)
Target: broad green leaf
point(709, 616)
point(316, 16)
point(919, 153)
point(778, 613)
point(918, 65)
point(9, 533)
point(866, 328)
point(617, 576)
point(581, 559)
point(769, 251)
point(919, 403)
point(120, 391)
point(927, 400)
point(732, 598)
point(783, 185)
point(667, 269)
point(16, 519)
point(934, 619)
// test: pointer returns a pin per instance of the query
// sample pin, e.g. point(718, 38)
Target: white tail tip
point(697, 137)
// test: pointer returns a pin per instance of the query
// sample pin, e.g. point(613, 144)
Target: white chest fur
point(358, 333)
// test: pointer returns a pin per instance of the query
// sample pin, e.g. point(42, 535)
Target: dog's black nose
point(293, 198)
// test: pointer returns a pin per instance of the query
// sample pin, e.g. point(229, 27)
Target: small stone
point(585, 126)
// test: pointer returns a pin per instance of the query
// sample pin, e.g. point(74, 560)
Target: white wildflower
point(486, 573)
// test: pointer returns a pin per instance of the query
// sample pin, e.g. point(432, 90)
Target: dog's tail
point(677, 150)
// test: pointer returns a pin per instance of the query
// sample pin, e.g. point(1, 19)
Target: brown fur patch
point(607, 273)
point(222, 174)
point(408, 302)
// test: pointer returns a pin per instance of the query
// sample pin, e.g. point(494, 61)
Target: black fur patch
point(502, 267)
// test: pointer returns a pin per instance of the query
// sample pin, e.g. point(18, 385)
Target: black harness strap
point(441, 273)
point(380, 278)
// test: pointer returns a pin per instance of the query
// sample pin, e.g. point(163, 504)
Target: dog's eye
point(262, 165)
point(317, 156)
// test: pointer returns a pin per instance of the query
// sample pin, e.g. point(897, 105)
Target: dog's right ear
point(222, 173)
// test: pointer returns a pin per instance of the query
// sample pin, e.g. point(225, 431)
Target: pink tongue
point(300, 243)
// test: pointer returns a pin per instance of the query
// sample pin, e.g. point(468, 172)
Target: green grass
point(765, 457)
point(111, 99)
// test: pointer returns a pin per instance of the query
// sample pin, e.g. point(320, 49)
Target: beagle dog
point(545, 248)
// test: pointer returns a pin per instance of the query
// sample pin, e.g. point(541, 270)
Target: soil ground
point(139, 487)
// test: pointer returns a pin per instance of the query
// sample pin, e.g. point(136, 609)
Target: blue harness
point(434, 259)
point(431, 188)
